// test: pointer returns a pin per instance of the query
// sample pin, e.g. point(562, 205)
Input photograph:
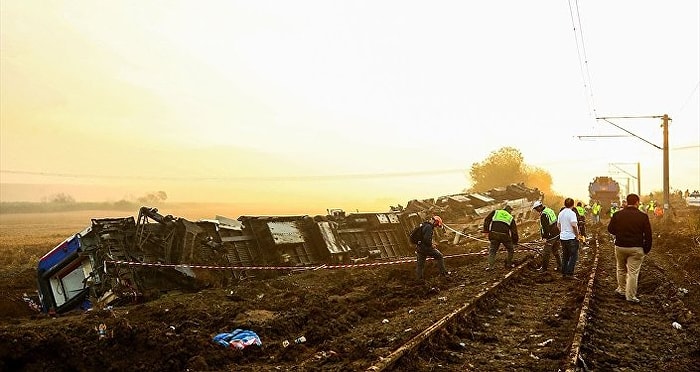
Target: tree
point(502, 167)
point(539, 178)
point(153, 197)
point(60, 198)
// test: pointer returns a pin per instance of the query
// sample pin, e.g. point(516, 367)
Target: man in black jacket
point(500, 227)
point(632, 232)
point(550, 233)
point(426, 247)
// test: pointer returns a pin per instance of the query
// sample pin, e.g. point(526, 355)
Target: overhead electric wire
point(241, 178)
point(692, 93)
point(582, 60)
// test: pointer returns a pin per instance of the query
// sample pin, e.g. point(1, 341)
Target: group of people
point(566, 230)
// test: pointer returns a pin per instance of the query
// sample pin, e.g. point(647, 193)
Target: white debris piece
point(677, 325)
point(546, 342)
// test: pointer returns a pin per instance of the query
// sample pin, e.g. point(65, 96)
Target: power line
point(692, 93)
point(582, 60)
point(242, 178)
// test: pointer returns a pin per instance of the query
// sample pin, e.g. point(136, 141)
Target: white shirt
point(566, 222)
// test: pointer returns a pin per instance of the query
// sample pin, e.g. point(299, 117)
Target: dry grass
point(26, 237)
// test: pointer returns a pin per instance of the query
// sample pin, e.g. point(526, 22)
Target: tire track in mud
point(527, 323)
point(639, 336)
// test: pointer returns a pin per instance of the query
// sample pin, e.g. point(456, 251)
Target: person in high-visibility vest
point(581, 216)
point(595, 211)
point(613, 209)
point(550, 233)
point(500, 227)
point(659, 211)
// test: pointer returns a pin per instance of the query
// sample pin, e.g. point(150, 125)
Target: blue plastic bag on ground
point(238, 339)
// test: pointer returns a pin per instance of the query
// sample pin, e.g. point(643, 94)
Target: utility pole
point(667, 200)
point(638, 178)
point(664, 125)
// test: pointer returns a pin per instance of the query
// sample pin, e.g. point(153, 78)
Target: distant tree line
point(62, 202)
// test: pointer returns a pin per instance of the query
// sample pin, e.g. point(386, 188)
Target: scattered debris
point(385, 321)
point(300, 340)
point(102, 331)
point(677, 325)
point(32, 305)
point(238, 339)
point(546, 342)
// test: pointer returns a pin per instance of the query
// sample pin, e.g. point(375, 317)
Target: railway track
point(533, 321)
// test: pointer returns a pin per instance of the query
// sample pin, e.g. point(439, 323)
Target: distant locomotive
point(605, 190)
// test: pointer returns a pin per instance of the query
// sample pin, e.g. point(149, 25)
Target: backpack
point(417, 234)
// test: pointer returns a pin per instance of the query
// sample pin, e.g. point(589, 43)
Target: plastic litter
point(677, 325)
point(385, 321)
point(300, 340)
point(238, 339)
point(546, 342)
point(285, 343)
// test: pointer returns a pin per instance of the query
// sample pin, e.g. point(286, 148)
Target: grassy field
point(25, 237)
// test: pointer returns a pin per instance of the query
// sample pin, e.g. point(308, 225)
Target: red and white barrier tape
point(329, 267)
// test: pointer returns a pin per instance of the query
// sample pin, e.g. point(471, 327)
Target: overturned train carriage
point(121, 260)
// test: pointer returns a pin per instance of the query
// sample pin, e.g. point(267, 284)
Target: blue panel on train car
point(58, 254)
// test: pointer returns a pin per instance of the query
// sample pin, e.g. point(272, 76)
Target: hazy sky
point(308, 105)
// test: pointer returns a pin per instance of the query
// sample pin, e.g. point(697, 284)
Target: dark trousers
point(422, 254)
point(551, 246)
point(496, 239)
point(569, 257)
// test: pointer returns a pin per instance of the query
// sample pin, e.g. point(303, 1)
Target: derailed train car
point(115, 261)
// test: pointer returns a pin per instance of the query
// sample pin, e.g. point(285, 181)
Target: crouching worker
point(500, 227)
point(426, 247)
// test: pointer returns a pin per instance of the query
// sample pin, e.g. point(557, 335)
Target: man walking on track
point(632, 232)
point(500, 227)
point(426, 247)
point(569, 236)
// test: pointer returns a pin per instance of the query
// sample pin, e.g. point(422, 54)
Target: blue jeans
point(569, 256)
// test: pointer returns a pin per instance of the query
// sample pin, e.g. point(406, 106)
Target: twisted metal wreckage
point(115, 261)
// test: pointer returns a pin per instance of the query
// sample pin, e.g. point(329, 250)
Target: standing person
point(595, 211)
point(550, 233)
point(568, 227)
point(632, 232)
point(581, 216)
point(500, 227)
point(426, 247)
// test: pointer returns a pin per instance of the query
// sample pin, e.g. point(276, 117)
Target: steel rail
point(466, 308)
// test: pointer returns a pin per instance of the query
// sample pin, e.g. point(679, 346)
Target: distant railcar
point(605, 190)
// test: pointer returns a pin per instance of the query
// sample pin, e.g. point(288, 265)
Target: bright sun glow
point(250, 101)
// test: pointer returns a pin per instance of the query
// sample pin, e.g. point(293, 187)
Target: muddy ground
point(350, 318)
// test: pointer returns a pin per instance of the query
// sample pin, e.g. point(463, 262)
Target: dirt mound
point(339, 312)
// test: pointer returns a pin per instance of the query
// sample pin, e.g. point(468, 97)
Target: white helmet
point(536, 204)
